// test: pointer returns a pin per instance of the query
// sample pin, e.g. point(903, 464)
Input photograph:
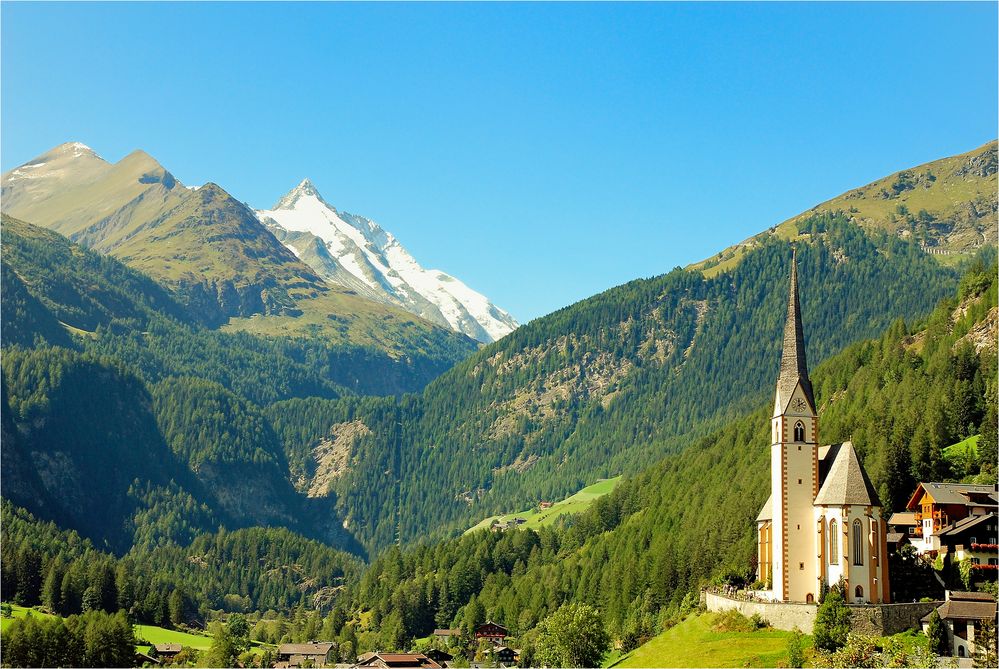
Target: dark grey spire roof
point(846, 481)
point(793, 368)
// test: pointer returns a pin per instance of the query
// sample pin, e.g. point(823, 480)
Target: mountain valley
point(304, 420)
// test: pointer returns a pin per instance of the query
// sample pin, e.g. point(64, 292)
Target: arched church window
point(833, 551)
point(858, 543)
point(799, 431)
point(859, 592)
point(809, 598)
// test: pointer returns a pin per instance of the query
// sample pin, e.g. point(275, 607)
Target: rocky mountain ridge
point(357, 253)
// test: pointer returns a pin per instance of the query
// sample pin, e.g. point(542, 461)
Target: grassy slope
point(154, 634)
point(946, 197)
point(143, 633)
point(695, 643)
point(149, 633)
point(968, 447)
point(573, 504)
point(22, 612)
point(343, 318)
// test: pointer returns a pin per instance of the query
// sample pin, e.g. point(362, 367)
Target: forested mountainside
point(54, 289)
point(637, 555)
point(101, 364)
point(243, 570)
point(606, 386)
point(948, 206)
point(639, 551)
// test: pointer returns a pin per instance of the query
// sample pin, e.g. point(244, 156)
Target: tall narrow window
point(858, 542)
point(859, 592)
point(799, 431)
point(833, 539)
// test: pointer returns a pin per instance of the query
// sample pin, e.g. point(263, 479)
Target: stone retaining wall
point(875, 620)
point(897, 618)
point(779, 615)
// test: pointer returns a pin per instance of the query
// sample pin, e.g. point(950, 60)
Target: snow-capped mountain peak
point(357, 253)
point(304, 189)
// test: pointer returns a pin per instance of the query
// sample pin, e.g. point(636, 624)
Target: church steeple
point(793, 368)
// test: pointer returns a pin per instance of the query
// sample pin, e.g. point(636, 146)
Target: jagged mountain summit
point(357, 253)
point(211, 251)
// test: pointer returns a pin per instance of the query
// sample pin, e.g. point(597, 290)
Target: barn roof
point(316, 648)
point(965, 610)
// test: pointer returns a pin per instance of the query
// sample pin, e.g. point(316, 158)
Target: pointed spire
point(793, 367)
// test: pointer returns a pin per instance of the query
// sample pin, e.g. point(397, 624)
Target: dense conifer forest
point(612, 384)
point(641, 552)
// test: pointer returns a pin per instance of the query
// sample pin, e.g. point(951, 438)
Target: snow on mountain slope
point(355, 252)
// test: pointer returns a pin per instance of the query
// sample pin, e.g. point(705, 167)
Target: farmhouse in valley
point(492, 631)
point(396, 661)
point(823, 521)
point(963, 615)
point(312, 654)
point(165, 651)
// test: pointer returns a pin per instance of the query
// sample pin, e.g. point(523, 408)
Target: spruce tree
point(937, 634)
point(832, 622)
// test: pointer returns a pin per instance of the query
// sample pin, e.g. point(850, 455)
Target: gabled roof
point(964, 595)
point(766, 513)
point(966, 524)
point(167, 647)
point(397, 660)
point(965, 610)
point(953, 493)
point(903, 518)
point(793, 367)
point(318, 648)
point(895, 537)
point(847, 482)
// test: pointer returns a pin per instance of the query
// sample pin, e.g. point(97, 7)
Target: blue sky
point(540, 152)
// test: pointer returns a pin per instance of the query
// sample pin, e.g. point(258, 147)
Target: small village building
point(545, 505)
point(439, 656)
point(490, 630)
point(165, 651)
point(505, 655)
point(962, 615)
point(938, 507)
point(973, 539)
point(822, 523)
point(902, 527)
point(142, 659)
point(447, 635)
point(397, 660)
point(315, 653)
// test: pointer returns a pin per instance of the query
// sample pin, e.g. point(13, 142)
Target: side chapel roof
point(846, 481)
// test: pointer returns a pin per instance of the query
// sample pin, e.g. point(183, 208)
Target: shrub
point(832, 622)
point(795, 654)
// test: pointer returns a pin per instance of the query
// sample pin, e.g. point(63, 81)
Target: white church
point(823, 521)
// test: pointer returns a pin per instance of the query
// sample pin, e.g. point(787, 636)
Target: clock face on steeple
point(799, 405)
